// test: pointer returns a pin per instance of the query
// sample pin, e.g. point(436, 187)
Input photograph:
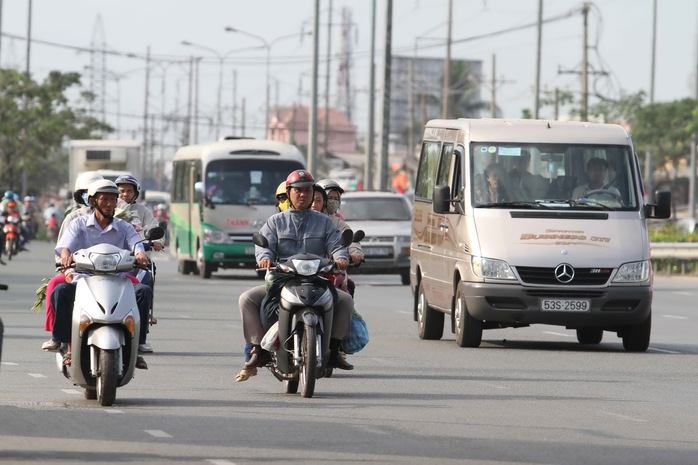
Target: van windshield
point(569, 176)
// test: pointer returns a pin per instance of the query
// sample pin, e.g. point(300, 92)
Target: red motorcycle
point(11, 230)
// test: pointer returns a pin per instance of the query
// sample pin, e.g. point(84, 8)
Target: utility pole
point(312, 120)
point(0, 33)
point(694, 148)
point(235, 101)
point(445, 93)
point(585, 65)
point(385, 113)
point(144, 153)
point(493, 104)
point(410, 109)
point(326, 129)
point(371, 134)
point(536, 106)
point(648, 154)
point(29, 37)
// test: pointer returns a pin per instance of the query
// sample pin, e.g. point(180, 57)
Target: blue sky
point(620, 35)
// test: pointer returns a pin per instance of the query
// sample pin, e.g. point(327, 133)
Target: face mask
point(84, 198)
point(284, 205)
point(332, 206)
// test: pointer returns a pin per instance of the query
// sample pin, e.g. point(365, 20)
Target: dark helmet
point(300, 178)
point(129, 179)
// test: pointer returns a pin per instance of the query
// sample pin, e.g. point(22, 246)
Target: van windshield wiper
point(590, 203)
point(536, 204)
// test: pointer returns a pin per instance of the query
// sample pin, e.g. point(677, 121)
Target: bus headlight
point(633, 272)
point(214, 236)
point(490, 268)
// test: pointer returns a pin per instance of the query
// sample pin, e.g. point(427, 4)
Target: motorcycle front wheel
point(107, 379)
point(309, 367)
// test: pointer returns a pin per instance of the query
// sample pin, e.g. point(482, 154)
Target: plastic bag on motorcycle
point(357, 338)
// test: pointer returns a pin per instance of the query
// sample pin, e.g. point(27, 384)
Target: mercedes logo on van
point(564, 273)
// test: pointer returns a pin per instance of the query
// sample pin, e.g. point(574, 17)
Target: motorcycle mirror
point(260, 240)
point(155, 233)
point(347, 237)
point(163, 224)
point(359, 236)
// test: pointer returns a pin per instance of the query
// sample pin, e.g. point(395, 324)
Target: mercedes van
point(518, 222)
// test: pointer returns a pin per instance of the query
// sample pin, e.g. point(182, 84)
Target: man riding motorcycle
point(297, 230)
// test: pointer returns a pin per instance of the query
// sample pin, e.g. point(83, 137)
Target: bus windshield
point(245, 181)
point(568, 176)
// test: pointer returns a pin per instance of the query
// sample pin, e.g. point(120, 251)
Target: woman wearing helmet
point(334, 196)
point(86, 231)
point(281, 197)
point(296, 230)
point(137, 214)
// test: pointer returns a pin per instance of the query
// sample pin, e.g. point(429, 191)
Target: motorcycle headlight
point(633, 272)
point(490, 268)
point(214, 236)
point(105, 262)
point(306, 267)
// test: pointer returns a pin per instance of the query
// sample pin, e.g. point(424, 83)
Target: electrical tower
point(98, 72)
point(345, 95)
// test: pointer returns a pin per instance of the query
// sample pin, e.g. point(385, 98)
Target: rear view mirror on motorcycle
point(347, 237)
point(163, 224)
point(155, 233)
point(260, 240)
point(359, 236)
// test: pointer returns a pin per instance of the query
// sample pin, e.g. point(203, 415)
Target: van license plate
point(565, 305)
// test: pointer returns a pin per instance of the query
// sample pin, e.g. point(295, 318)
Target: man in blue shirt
point(100, 227)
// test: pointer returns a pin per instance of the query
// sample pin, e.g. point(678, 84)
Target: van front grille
point(582, 276)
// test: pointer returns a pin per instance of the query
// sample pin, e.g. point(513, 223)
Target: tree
point(34, 120)
point(622, 110)
point(463, 98)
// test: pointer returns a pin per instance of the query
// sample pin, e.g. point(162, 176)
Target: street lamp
point(267, 45)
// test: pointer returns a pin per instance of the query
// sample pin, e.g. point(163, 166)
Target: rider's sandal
point(67, 359)
point(140, 363)
point(245, 374)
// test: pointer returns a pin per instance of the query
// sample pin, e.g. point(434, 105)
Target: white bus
point(222, 193)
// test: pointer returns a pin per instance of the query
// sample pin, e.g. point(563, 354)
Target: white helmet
point(82, 183)
point(104, 186)
point(330, 184)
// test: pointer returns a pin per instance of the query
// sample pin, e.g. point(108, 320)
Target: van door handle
point(443, 226)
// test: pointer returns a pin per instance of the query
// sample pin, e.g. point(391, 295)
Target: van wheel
point(589, 335)
point(405, 277)
point(636, 338)
point(430, 323)
point(185, 266)
point(468, 329)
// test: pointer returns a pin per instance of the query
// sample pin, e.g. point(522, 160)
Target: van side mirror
point(441, 200)
point(662, 207)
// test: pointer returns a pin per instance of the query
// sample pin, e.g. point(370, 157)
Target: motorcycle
point(147, 276)
point(106, 321)
point(12, 235)
point(3, 287)
point(305, 319)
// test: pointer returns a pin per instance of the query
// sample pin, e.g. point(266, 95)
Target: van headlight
point(633, 272)
point(490, 268)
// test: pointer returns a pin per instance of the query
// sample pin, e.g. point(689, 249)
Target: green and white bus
point(222, 193)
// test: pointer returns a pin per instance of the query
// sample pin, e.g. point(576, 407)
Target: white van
point(517, 222)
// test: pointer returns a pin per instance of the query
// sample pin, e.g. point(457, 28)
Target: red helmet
point(300, 178)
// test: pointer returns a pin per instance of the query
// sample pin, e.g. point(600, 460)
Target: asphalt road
point(526, 396)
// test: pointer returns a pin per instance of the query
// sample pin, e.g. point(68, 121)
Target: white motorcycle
point(106, 321)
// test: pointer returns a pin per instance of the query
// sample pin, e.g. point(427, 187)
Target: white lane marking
point(71, 391)
point(496, 386)
point(653, 349)
point(675, 317)
point(553, 333)
point(624, 417)
point(10, 363)
point(683, 293)
point(114, 411)
point(156, 433)
point(36, 375)
point(220, 462)
point(403, 312)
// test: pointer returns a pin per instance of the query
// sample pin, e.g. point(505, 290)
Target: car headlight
point(214, 236)
point(490, 268)
point(402, 240)
point(306, 267)
point(105, 262)
point(633, 272)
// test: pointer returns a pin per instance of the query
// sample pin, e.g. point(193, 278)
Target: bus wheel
point(185, 266)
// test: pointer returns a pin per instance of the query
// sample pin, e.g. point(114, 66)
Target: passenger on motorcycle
point(140, 218)
point(99, 227)
point(281, 197)
point(297, 230)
